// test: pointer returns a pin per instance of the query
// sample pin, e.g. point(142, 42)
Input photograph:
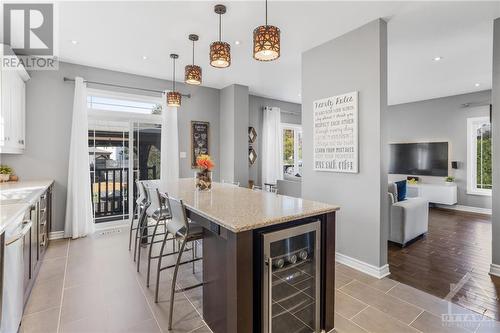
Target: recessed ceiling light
point(144, 58)
point(299, 95)
point(237, 42)
point(476, 85)
point(74, 42)
point(438, 58)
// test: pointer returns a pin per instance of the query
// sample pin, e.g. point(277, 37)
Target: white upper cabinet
point(13, 111)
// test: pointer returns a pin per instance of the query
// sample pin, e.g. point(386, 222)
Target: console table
point(445, 194)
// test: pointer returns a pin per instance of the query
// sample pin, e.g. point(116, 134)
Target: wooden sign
point(200, 133)
point(335, 133)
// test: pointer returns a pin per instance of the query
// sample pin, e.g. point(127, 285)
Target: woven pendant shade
point(266, 43)
point(220, 54)
point(192, 74)
point(174, 99)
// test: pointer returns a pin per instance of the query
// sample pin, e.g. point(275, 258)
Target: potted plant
point(203, 176)
point(5, 172)
point(449, 179)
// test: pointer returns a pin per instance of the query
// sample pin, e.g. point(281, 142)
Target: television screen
point(426, 159)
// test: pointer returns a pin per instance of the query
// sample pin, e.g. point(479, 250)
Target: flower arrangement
point(204, 162)
point(204, 176)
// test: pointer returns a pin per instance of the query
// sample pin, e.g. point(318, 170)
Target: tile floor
point(91, 285)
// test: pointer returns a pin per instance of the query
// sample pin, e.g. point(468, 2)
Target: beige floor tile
point(86, 300)
point(384, 284)
point(342, 279)
point(41, 322)
point(376, 321)
point(185, 318)
point(57, 248)
point(126, 308)
point(51, 268)
point(347, 306)
point(344, 325)
point(45, 294)
point(393, 306)
point(428, 302)
point(147, 326)
point(203, 329)
point(429, 323)
point(93, 324)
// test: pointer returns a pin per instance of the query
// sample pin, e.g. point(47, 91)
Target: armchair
point(408, 219)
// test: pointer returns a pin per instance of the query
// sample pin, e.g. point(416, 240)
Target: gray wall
point(441, 119)
point(234, 134)
point(496, 143)
point(49, 103)
point(359, 58)
point(256, 106)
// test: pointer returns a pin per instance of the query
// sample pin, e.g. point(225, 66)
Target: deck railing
point(109, 187)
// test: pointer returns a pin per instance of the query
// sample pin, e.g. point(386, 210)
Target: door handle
point(270, 294)
point(26, 228)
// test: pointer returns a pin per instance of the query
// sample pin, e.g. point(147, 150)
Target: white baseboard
point(111, 225)
point(469, 209)
point(495, 269)
point(377, 272)
point(56, 235)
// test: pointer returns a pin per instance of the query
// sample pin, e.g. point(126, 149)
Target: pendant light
point(173, 97)
point(220, 52)
point(266, 42)
point(192, 73)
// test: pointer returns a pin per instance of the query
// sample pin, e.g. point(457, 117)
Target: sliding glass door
point(109, 167)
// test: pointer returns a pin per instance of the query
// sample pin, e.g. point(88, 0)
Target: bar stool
point(184, 231)
point(159, 216)
point(139, 210)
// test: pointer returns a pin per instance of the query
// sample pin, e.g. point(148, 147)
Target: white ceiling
point(116, 35)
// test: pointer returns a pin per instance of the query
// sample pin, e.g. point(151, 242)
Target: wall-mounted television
point(425, 158)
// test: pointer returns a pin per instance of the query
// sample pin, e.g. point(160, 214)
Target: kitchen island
point(268, 259)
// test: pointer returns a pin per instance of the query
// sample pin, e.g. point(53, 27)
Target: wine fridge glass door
point(291, 294)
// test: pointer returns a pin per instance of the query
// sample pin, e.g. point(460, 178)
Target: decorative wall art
point(252, 138)
point(200, 133)
point(335, 133)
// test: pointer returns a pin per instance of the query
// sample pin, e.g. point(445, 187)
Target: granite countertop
point(240, 209)
point(17, 197)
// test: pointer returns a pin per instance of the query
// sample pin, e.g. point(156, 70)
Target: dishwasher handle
point(26, 228)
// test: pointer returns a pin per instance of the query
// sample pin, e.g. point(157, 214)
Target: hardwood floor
point(456, 250)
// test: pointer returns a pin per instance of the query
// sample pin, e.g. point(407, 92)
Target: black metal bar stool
point(184, 231)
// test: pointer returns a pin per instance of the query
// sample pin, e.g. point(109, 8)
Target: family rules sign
point(335, 137)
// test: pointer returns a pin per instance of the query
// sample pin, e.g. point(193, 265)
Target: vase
point(203, 180)
point(4, 177)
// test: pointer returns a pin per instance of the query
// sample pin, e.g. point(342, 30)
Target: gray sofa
point(408, 219)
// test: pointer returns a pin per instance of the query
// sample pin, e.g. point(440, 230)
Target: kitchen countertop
point(240, 209)
point(17, 197)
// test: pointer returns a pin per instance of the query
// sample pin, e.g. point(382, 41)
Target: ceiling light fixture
point(266, 42)
point(192, 73)
point(438, 58)
point(237, 42)
point(173, 97)
point(220, 52)
point(74, 42)
point(476, 85)
point(144, 58)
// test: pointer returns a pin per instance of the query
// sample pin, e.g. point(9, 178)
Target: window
point(479, 156)
point(292, 149)
point(123, 104)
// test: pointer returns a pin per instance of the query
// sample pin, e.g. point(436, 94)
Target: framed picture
point(200, 145)
point(335, 133)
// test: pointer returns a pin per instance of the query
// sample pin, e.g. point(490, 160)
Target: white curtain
point(169, 144)
point(272, 146)
point(79, 215)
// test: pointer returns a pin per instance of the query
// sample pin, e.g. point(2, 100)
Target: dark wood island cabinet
point(268, 259)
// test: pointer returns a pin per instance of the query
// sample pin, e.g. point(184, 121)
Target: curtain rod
point(66, 79)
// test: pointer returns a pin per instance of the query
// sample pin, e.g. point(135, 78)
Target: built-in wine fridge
point(291, 279)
